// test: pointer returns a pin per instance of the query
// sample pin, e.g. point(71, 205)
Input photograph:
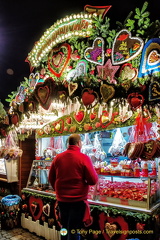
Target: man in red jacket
point(70, 175)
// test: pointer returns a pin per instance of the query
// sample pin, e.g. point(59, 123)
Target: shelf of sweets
point(126, 168)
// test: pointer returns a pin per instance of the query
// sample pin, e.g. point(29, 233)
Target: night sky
point(23, 22)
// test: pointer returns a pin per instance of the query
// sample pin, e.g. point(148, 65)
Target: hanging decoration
point(107, 92)
point(46, 209)
point(128, 73)
point(135, 100)
point(36, 207)
point(72, 87)
point(33, 80)
point(79, 116)
point(90, 98)
point(118, 144)
point(154, 90)
point(109, 226)
point(59, 58)
point(20, 95)
point(150, 60)
point(79, 71)
point(107, 72)
point(125, 47)
point(95, 54)
point(44, 93)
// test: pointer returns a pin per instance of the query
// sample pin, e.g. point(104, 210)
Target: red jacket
point(70, 175)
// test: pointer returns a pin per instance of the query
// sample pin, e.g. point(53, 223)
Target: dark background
point(22, 23)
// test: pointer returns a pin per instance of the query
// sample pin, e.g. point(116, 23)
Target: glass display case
point(122, 182)
point(134, 192)
point(38, 177)
point(9, 170)
point(138, 192)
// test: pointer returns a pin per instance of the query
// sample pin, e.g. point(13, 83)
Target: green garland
point(143, 217)
point(37, 195)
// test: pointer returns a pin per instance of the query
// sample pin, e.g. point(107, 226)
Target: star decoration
point(107, 72)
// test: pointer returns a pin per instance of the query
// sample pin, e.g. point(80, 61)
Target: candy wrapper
point(118, 144)
point(87, 146)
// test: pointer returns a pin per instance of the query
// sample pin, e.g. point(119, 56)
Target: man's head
point(75, 139)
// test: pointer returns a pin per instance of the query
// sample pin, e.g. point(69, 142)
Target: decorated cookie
point(44, 93)
point(59, 58)
point(107, 92)
point(125, 47)
point(95, 54)
point(107, 72)
point(150, 60)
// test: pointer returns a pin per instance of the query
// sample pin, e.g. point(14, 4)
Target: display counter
point(116, 215)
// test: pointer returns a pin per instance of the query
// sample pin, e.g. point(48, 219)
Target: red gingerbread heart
point(59, 58)
point(135, 100)
point(36, 210)
point(89, 98)
point(109, 226)
point(79, 116)
point(44, 93)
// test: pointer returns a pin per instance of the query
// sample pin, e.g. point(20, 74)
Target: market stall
point(90, 79)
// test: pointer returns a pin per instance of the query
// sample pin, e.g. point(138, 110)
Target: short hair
point(74, 139)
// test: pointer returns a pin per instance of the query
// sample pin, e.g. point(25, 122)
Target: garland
point(143, 217)
point(37, 195)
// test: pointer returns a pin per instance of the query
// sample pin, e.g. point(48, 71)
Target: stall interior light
point(36, 121)
point(42, 117)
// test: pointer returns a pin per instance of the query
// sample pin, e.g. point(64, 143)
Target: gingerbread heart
point(68, 120)
point(107, 92)
point(135, 100)
point(92, 116)
point(15, 118)
point(104, 117)
point(59, 58)
point(150, 60)
point(125, 47)
point(44, 93)
point(95, 54)
point(46, 209)
point(109, 226)
point(110, 229)
point(79, 116)
point(72, 88)
point(89, 98)
point(154, 91)
point(127, 72)
point(153, 57)
point(36, 210)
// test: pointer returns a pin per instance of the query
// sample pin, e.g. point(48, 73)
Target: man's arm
point(90, 174)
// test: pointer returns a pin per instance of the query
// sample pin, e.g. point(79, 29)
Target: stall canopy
point(86, 76)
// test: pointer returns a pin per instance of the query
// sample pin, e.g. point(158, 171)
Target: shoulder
point(84, 157)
